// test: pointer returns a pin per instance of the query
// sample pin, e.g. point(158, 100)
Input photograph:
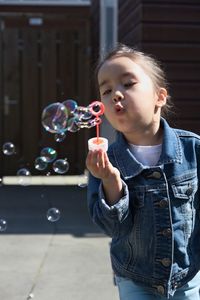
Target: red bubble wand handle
point(97, 109)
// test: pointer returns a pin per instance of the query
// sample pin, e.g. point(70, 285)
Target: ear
point(161, 97)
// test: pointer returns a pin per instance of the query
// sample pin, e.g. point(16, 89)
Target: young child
point(144, 192)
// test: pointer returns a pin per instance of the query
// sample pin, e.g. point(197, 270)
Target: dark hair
point(149, 64)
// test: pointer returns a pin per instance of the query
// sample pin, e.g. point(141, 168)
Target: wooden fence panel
point(30, 106)
point(42, 65)
point(11, 97)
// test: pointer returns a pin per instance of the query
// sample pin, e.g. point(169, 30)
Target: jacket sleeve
point(114, 220)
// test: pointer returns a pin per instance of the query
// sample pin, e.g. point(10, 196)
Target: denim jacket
point(155, 226)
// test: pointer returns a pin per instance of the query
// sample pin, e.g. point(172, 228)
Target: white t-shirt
point(147, 155)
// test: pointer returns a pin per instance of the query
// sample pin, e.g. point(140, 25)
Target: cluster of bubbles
point(47, 155)
point(57, 118)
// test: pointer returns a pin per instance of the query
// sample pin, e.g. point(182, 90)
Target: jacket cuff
point(119, 209)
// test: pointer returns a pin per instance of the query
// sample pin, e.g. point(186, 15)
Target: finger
point(106, 159)
point(101, 162)
point(90, 159)
point(94, 158)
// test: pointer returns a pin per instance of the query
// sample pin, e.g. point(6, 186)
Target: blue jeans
point(128, 290)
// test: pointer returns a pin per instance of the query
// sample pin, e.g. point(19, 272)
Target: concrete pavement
point(42, 260)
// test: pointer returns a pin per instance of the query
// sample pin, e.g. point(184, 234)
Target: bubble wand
point(97, 109)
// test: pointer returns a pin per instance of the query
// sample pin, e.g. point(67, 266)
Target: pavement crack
point(37, 275)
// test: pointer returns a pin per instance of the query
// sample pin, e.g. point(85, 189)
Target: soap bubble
point(59, 137)
point(61, 166)
point(41, 163)
point(71, 106)
point(3, 225)
point(53, 214)
point(8, 148)
point(88, 124)
point(83, 117)
point(87, 115)
point(23, 172)
point(48, 154)
point(83, 181)
point(72, 125)
point(54, 118)
point(81, 110)
point(24, 176)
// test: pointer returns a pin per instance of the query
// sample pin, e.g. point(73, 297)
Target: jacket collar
point(130, 167)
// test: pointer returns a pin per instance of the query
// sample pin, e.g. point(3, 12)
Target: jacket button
point(167, 232)
point(189, 191)
point(166, 262)
point(160, 289)
point(163, 203)
point(155, 174)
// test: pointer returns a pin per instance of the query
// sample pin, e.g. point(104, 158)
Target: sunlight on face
point(128, 93)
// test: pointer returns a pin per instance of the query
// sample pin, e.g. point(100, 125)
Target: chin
point(124, 130)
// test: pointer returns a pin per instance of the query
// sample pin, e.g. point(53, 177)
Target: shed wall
point(169, 30)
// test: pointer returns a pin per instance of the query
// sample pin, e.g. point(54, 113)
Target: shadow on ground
point(25, 210)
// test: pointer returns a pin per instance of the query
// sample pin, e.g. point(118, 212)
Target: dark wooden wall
point(40, 65)
point(170, 30)
point(95, 19)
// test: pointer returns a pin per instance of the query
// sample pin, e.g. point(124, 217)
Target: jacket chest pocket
point(183, 202)
point(184, 192)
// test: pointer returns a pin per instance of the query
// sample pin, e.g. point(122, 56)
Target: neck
point(149, 136)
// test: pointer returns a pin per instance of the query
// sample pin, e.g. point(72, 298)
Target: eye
point(106, 92)
point(129, 84)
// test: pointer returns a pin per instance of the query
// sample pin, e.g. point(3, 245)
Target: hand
point(98, 164)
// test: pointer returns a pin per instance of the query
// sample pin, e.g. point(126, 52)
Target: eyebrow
point(123, 75)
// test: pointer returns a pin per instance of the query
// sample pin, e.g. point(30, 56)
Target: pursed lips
point(119, 108)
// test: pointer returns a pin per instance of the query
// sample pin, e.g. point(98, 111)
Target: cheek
point(145, 98)
point(106, 103)
point(108, 112)
point(104, 100)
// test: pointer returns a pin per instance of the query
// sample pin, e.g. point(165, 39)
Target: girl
point(144, 191)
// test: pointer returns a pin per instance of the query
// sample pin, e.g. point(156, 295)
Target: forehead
point(120, 65)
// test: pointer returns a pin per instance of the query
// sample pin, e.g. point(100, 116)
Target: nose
point(117, 97)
